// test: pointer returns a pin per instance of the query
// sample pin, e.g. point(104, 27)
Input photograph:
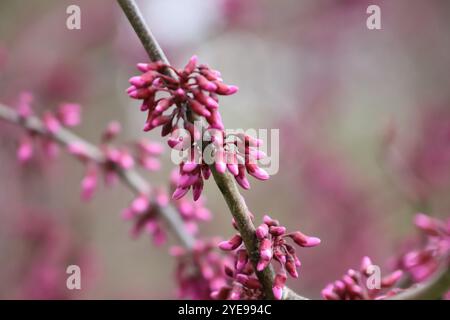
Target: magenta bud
point(199, 108)
point(257, 172)
point(231, 244)
point(278, 285)
point(220, 166)
point(303, 240)
point(179, 193)
point(137, 81)
point(232, 90)
point(291, 268)
point(233, 168)
point(243, 182)
point(365, 264)
point(265, 249)
point(277, 231)
point(242, 259)
point(426, 223)
point(143, 67)
point(262, 231)
point(190, 66)
point(140, 204)
point(197, 189)
point(189, 166)
point(269, 221)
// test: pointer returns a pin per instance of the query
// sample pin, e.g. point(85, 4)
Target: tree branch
point(130, 177)
point(226, 184)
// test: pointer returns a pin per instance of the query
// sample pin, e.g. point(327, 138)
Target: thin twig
point(130, 177)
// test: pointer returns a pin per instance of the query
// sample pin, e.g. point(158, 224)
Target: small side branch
point(130, 177)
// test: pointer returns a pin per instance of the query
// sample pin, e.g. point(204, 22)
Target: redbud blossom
point(195, 88)
point(423, 262)
point(273, 246)
point(354, 285)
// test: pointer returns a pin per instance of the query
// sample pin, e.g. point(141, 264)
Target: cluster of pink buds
point(273, 245)
point(199, 271)
point(144, 153)
point(357, 285)
point(420, 264)
point(194, 89)
point(190, 211)
point(242, 282)
point(67, 114)
point(235, 153)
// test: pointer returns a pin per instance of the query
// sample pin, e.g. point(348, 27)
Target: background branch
point(130, 177)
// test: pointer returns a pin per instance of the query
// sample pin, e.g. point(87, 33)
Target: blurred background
point(364, 120)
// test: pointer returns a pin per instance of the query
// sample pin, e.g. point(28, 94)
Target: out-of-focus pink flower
point(199, 272)
point(25, 150)
point(423, 262)
point(89, 183)
point(53, 245)
point(69, 114)
point(24, 107)
point(354, 285)
point(51, 122)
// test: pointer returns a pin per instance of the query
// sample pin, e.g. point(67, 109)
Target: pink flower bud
point(25, 150)
point(24, 107)
point(220, 166)
point(205, 84)
point(262, 231)
point(163, 105)
point(140, 204)
point(231, 244)
point(89, 184)
point(365, 264)
point(199, 108)
point(426, 223)
point(179, 193)
point(197, 189)
point(251, 283)
point(243, 182)
point(77, 149)
point(291, 268)
point(278, 285)
point(140, 93)
point(191, 65)
point(269, 221)
point(277, 231)
point(233, 168)
point(126, 161)
point(265, 249)
point(303, 240)
point(151, 148)
point(328, 293)
point(150, 163)
point(112, 131)
point(257, 172)
point(69, 114)
point(242, 259)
